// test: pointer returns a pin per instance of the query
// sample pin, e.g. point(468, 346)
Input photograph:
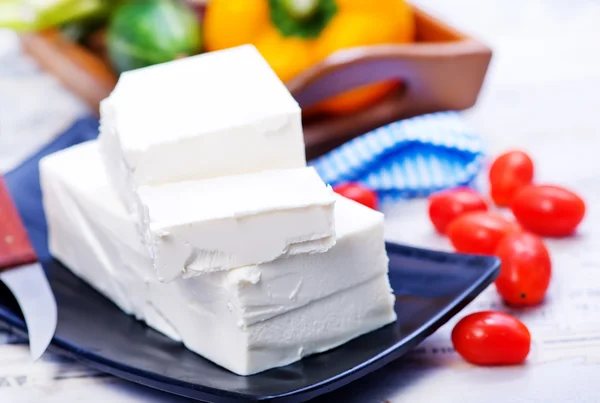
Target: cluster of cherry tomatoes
point(537, 210)
point(465, 216)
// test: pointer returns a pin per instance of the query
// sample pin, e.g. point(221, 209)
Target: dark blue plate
point(430, 286)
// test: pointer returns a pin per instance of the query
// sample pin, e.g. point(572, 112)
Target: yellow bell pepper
point(292, 35)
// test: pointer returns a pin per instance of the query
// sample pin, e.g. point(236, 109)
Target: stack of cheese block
point(195, 212)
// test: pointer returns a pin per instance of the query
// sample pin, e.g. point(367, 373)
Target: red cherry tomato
point(447, 205)
point(358, 193)
point(479, 232)
point(548, 210)
point(509, 173)
point(526, 269)
point(491, 338)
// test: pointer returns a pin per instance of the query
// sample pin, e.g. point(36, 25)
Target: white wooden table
point(542, 94)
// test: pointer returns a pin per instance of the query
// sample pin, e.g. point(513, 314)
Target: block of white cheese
point(248, 319)
point(217, 114)
point(175, 140)
point(195, 227)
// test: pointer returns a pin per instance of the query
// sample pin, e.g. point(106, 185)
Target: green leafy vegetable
point(30, 15)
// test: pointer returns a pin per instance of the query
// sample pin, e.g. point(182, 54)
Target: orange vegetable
point(293, 35)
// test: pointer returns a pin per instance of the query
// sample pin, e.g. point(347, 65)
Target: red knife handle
point(15, 247)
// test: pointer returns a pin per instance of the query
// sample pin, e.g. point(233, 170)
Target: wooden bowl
point(443, 70)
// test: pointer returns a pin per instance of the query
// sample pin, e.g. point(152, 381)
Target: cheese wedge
point(247, 319)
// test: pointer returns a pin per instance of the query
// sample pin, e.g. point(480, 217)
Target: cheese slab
point(176, 139)
point(196, 227)
point(247, 319)
point(217, 114)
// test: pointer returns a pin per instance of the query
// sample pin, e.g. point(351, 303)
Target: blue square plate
point(430, 287)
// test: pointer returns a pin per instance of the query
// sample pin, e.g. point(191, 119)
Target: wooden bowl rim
point(460, 45)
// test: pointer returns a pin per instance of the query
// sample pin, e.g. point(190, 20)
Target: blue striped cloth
point(409, 158)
